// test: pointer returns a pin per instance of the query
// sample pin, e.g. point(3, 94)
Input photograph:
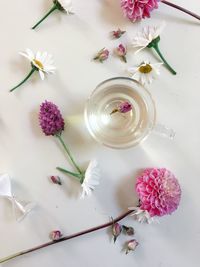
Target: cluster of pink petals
point(138, 9)
point(159, 191)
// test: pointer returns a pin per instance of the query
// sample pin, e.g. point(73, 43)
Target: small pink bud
point(123, 108)
point(128, 230)
point(117, 34)
point(102, 55)
point(56, 180)
point(55, 235)
point(116, 231)
point(121, 51)
point(131, 245)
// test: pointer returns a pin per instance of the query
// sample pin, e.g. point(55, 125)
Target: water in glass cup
point(119, 130)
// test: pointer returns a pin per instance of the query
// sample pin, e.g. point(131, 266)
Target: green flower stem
point(50, 11)
point(69, 153)
point(25, 79)
point(156, 48)
point(77, 175)
point(90, 230)
point(181, 9)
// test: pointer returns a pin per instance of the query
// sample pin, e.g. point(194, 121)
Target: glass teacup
point(120, 130)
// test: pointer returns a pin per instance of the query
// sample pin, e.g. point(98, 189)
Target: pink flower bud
point(131, 245)
point(116, 231)
point(117, 34)
point(125, 107)
point(55, 235)
point(128, 230)
point(121, 51)
point(102, 55)
point(56, 180)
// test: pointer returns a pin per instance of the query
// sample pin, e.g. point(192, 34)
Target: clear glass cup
point(120, 130)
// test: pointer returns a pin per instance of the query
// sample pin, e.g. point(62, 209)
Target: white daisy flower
point(146, 36)
point(145, 73)
point(91, 180)
point(41, 62)
point(150, 37)
point(141, 216)
point(61, 5)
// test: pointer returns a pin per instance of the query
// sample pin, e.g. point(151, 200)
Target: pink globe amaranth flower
point(159, 191)
point(138, 9)
point(50, 118)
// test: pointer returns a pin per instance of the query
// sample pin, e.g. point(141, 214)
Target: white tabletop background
point(30, 157)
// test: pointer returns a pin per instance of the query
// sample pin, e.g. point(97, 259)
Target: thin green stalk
point(50, 11)
point(102, 226)
point(69, 153)
point(25, 79)
point(156, 48)
point(77, 175)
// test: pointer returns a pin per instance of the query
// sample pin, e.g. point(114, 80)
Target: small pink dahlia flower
point(159, 191)
point(138, 9)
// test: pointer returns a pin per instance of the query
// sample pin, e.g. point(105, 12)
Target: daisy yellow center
point(145, 68)
point(38, 63)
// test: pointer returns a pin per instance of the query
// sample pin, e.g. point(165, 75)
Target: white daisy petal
point(145, 73)
point(146, 36)
point(28, 54)
point(67, 5)
point(141, 216)
point(41, 74)
point(91, 180)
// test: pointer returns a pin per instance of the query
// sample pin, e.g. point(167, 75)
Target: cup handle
point(164, 131)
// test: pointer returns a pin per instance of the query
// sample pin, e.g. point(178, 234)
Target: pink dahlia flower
point(159, 191)
point(138, 9)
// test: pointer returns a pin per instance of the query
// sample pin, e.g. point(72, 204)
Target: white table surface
point(30, 157)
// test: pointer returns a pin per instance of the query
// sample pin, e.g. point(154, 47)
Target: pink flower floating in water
point(138, 9)
point(159, 191)
point(124, 107)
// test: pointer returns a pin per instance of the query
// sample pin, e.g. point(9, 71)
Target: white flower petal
point(67, 5)
point(141, 216)
point(27, 54)
point(41, 74)
point(92, 176)
point(146, 36)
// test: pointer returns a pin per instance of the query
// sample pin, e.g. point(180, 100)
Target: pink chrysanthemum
point(159, 191)
point(138, 9)
point(50, 118)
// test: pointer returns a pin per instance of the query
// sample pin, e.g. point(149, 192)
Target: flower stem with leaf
point(65, 238)
point(68, 153)
point(154, 45)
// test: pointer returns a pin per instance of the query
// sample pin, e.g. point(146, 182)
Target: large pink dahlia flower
point(159, 191)
point(138, 9)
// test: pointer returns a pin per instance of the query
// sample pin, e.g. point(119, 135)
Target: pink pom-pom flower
point(50, 118)
point(138, 9)
point(159, 191)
